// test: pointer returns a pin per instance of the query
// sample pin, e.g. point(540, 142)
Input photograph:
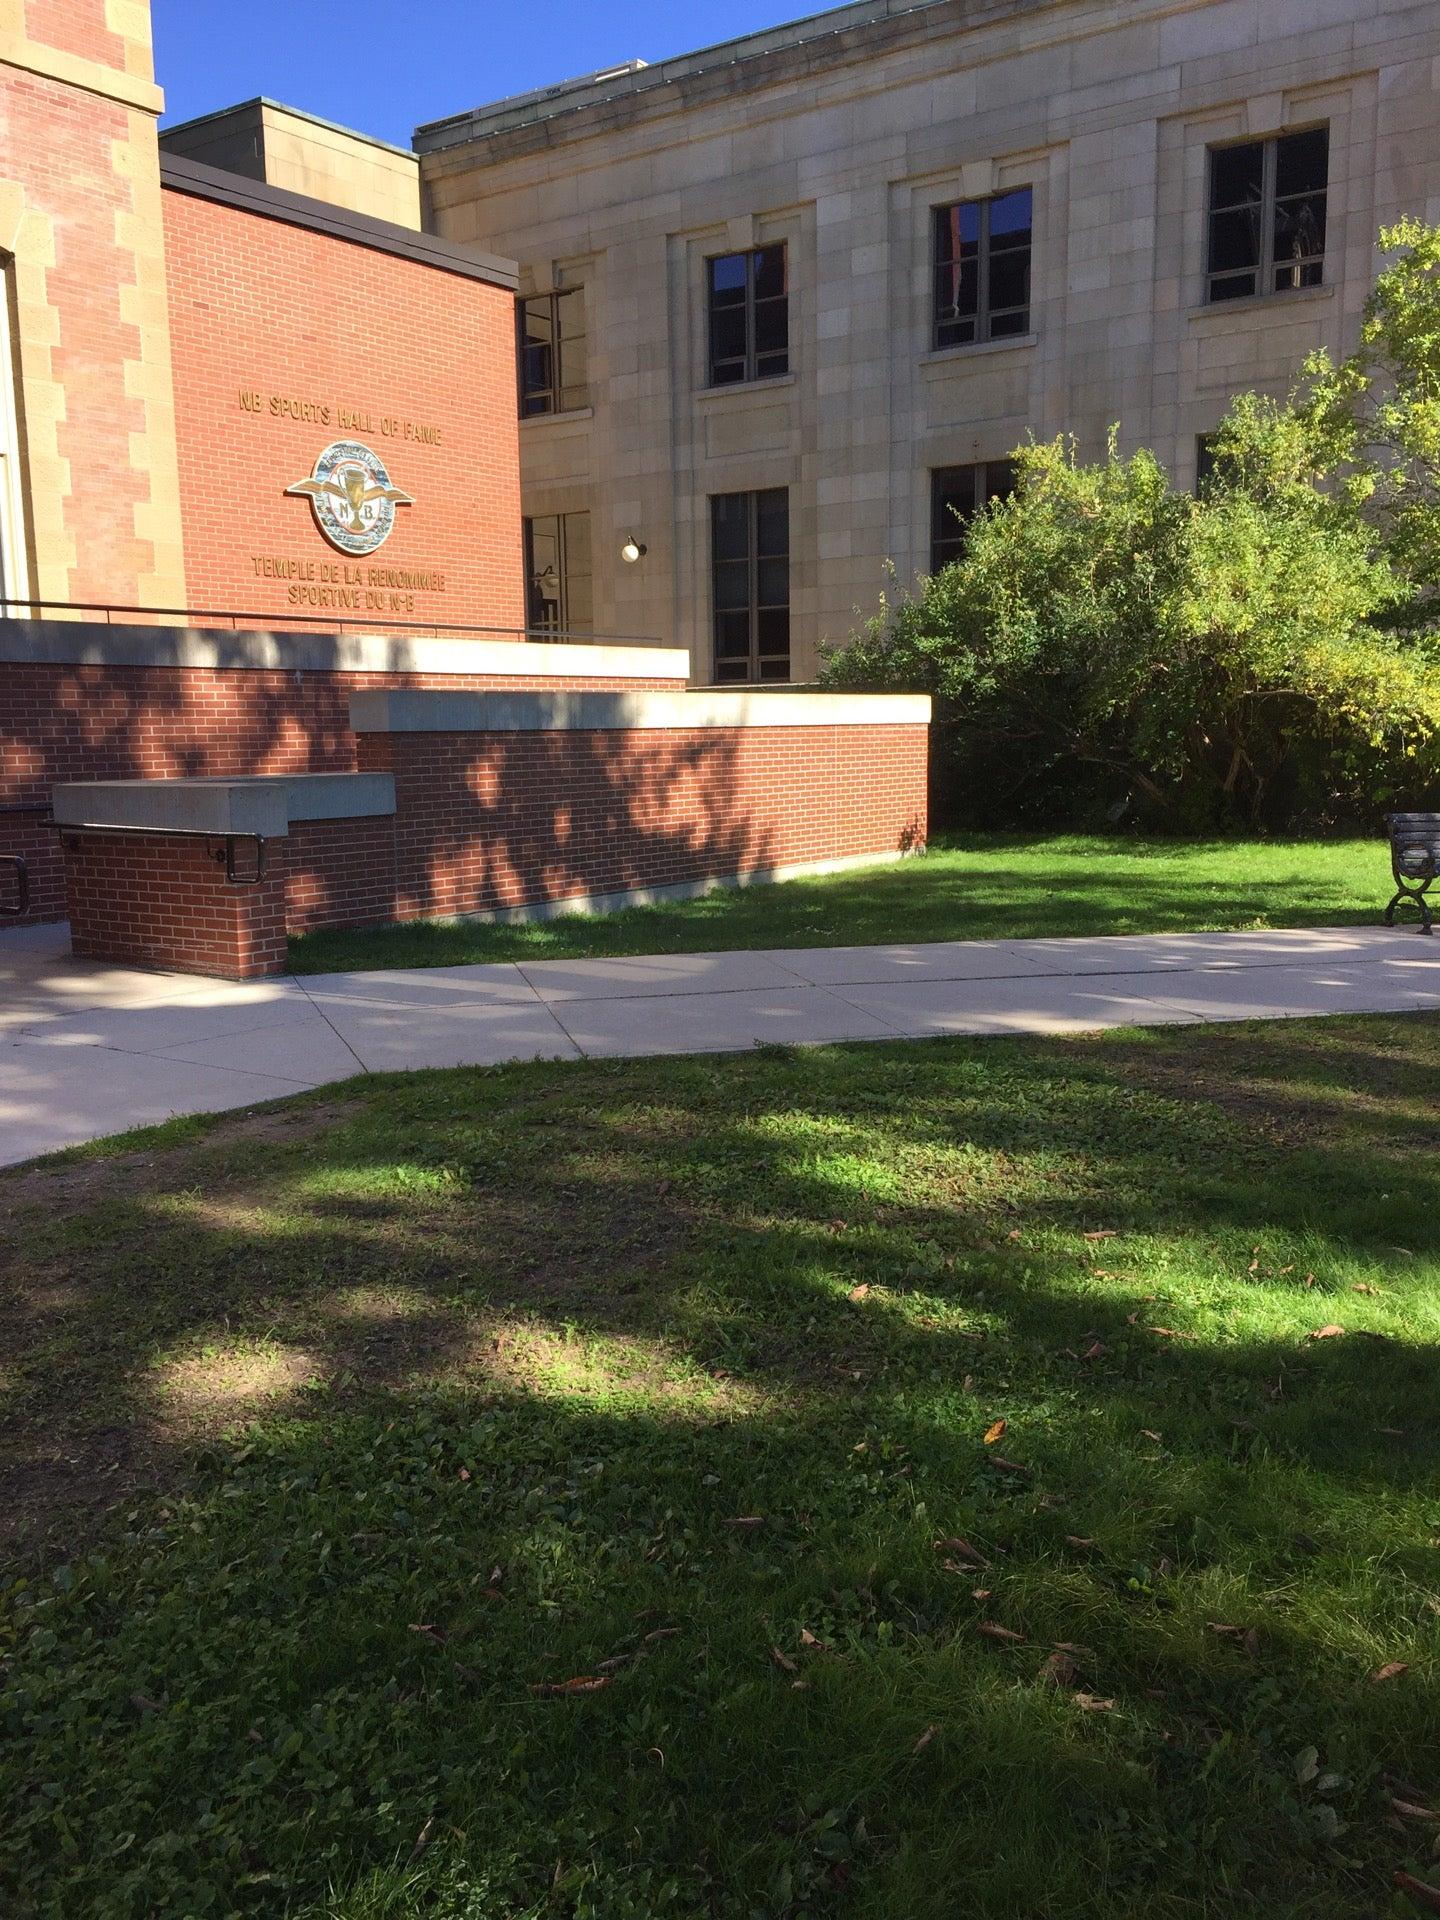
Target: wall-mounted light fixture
point(632, 551)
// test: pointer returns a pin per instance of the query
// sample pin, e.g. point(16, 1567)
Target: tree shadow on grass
point(707, 1351)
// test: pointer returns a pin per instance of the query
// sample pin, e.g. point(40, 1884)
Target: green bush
point(1106, 642)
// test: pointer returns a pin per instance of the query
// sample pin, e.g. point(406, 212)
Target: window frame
point(981, 498)
point(754, 659)
point(984, 317)
point(560, 344)
point(1265, 266)
point(752, 354)
point(564, 576)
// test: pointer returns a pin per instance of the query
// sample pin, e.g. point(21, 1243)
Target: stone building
point(792, 299)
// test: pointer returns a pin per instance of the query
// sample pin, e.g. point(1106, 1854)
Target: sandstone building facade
point(810, 288)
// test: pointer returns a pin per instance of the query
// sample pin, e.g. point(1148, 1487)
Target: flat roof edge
point(298, 113)
point(237, 190)
point(610, 85)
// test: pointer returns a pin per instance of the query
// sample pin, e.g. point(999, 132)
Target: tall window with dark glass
point(558, 574)
point(1267, 215)
point(749, 310)
point(750, 583)
point(982, 269)
point(956, 494)
point(550, 341)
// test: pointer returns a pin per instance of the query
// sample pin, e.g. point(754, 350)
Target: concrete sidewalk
point(87, 1050)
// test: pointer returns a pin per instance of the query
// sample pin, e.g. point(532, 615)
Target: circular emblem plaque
point(353, 499)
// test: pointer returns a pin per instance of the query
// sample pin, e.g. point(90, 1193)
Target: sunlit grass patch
point(965, 887)
point(873, 1483)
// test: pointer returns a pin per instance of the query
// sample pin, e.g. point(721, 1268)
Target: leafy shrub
point(1107, 642)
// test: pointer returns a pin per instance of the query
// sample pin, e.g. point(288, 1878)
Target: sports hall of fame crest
point(353, 499)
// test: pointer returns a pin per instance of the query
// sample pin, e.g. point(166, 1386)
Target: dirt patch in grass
point(79, 1176)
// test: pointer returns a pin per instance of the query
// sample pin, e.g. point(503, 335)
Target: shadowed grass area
point(581, 1490)
point(976, 888)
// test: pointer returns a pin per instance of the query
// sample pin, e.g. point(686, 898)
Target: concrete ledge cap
point(420, 711)
point(96, 643)
point(266, 804)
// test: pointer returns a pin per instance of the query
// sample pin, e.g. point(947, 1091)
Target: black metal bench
point(1415, 862)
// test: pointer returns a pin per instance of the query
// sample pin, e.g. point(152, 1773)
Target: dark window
point(982, 269)
point(955, 494)
point(750, 573)
point(1267, 215)
point(551, 337)
point(558, 578)
point(1204, 460)
point(749, 301)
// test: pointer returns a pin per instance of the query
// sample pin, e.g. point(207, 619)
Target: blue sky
point(383, 66)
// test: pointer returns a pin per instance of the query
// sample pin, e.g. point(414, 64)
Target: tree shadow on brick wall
point(550, 816)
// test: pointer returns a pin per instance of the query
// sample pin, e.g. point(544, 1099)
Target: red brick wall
point(496, 820)
point(76, 26)
point(513, 819)
point(339, 873)
point(166, 903)
point(154, 723)
point(290, 316)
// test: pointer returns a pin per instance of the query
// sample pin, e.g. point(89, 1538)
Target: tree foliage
point(1105, 640)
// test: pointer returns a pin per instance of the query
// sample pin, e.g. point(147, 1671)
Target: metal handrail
point(535, 636)
point(22, 885)
point(102, 830)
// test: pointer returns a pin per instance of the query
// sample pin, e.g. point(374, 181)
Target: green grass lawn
point(581, 1490)
point(976, 888)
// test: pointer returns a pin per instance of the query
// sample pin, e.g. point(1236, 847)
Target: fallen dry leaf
point(1362, 1286)
point(1148, 1433)
point(1170, 1333)
point(145, 1703)
point(422, 1841)
point(808, 1639)
point(783, 1660)
point(437, 1634)
point(981, 1593)
point(859, 1293)
point(660, 1633)
point(1328, 1332)
point(993, 1630)
point(1089, 1703)
point(1095, 1350)
point(1059, 1670)
point(1420, 1891)
point(996, 1431)
point(1409, 1811)
point(1007, 1466)
point(583, 1683)
point(1100, 1233)
point(1073, 1647)
point(1390, 1671)
point(464, 1473)
point(1078, 1540)
point(962, 1550)
point(1230, 1633)
point(926, 1737)
point(747, 1520)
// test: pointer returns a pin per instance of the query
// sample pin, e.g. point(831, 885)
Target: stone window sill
point(977, 349)
point(557, 419)
point(1275, 303)
point(737, 389)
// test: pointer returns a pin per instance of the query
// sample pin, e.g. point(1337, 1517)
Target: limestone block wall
point(838, 135)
